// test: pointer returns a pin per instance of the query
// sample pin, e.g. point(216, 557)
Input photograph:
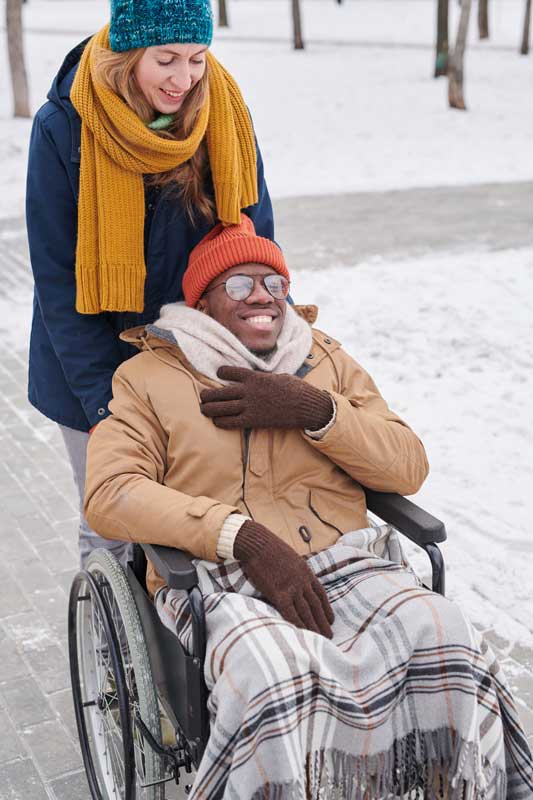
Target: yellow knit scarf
point(117, 149)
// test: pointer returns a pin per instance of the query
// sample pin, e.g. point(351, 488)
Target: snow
point(449, 341)
point(448, 338)
point(358, 110)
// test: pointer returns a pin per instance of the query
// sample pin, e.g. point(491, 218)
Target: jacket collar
point(60, 95)
point(323, 345)
point(62, 83)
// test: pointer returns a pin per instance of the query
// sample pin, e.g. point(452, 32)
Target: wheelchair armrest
point(415, 523)
point(174, 566)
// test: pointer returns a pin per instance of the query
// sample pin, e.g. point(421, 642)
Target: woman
point(144, 143)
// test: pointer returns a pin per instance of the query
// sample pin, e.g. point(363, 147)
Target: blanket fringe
point(423, 765)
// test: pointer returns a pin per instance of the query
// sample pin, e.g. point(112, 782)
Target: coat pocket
point(343, 512)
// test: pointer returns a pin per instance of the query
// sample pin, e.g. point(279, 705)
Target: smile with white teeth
point(260, 321)
point(174, 95)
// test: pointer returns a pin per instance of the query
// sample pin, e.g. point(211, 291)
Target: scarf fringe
point(122, 288)
point(424, 765)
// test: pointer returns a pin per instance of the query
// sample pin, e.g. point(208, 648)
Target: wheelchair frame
point(178, 676)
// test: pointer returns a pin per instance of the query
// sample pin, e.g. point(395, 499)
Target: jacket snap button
point(101, 412)
point(310, 355)
point(305, 533)
point(327, 341)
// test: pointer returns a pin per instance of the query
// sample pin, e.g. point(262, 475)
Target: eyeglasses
point(239, 287)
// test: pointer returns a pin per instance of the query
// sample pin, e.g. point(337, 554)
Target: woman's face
point(166, 73)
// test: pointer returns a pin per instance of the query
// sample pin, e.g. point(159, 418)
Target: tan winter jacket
point(160, 472)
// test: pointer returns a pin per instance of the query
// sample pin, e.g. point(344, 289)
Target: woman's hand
point(266, 400)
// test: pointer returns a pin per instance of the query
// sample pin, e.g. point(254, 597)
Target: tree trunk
point(223, 21)
point(483, 18)
point(455, 66)
point(297, 25)
point(524, 50)
point(441, 56)
point(15, 48)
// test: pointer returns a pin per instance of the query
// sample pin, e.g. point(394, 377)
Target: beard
point(264, 354)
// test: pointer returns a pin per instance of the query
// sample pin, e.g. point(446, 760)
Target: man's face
point(255, 321)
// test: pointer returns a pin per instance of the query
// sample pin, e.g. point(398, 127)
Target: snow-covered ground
point(358, 110)
point(449, 341)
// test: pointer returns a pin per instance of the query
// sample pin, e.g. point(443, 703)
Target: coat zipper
point(246, 452)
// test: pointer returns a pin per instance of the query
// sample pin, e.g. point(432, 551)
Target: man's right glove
point(283, 578)
point(266, 400)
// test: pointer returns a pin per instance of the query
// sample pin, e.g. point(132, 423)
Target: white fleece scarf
point(208, 345)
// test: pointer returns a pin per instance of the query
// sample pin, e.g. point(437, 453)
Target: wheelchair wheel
point(112, 685)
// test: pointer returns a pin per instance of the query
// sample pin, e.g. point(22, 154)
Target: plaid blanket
point(406, 699)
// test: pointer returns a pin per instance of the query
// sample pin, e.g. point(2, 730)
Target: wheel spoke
point(117, 770)
point(138, 739)
point(103, 693)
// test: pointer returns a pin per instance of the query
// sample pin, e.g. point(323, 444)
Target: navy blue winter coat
point(73, 356)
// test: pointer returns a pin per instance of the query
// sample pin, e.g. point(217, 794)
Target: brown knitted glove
point(263, 400)
point(283, 578)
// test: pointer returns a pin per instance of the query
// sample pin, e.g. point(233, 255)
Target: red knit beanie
point(226, 247)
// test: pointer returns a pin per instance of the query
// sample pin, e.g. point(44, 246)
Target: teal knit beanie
point(143, 23)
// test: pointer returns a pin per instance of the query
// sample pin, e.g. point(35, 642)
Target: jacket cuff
point(228, 533)
point(317, 435)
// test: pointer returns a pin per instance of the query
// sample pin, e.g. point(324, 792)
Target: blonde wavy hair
point(117, 72)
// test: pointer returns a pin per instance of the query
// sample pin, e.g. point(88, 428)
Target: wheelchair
point(140, 698)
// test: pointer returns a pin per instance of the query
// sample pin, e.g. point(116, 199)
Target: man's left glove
point(284, 578)
point(264, 400)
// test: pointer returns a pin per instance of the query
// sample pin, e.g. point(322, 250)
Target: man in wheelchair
point(244, 436)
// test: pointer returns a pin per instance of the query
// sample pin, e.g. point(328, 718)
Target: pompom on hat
point(225, 247)
point(145, 23)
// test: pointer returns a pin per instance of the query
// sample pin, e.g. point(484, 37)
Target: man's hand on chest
point(265, 400)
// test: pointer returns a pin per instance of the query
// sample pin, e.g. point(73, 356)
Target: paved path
point(317, 232)
point(39, 756)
